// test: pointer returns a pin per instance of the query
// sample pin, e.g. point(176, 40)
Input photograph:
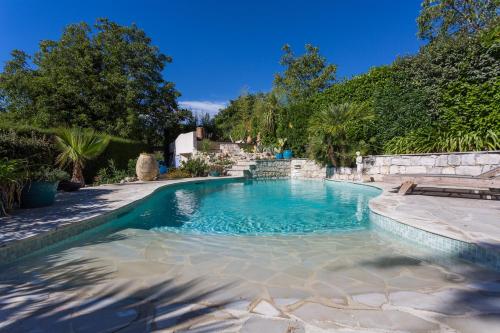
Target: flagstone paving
point(134, 280)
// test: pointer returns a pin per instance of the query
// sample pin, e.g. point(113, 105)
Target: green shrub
point(35, 147)
point(177, 173)
point(48, 174)
point(121, 151)
point(433, 141)
point(12, 179)
point(196, 167)
point(112, 174)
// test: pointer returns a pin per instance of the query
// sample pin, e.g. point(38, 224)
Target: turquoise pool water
point(254, 207)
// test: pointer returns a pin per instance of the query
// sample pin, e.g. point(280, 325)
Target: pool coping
point(449, 241)
point(14, 249)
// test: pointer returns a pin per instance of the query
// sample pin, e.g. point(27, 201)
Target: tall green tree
point(440, 18)
point(108, 77)
point(304, 75)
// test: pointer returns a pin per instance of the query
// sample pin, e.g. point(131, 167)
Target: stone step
point(239, 168)
point(238, 173)
point(246, 163)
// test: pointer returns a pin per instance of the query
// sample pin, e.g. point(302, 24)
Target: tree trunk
point(77, 176)
point(330, 153)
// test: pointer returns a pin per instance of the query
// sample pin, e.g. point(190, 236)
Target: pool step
point(242, 169)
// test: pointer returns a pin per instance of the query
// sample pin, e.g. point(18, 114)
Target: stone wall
point(467, 164)
point(271, 169)
point(304, 168)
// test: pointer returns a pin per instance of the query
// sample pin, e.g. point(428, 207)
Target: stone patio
point(134, 280)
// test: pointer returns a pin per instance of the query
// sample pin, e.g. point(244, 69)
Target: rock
point(264, 325)
point(468, 170)
point(266, 309)
point(443, 302)
point(454, 159)
point(468, 159)
point(374, 299)
point(327, 317)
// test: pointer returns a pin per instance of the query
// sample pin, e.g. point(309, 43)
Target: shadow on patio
point(81, 295)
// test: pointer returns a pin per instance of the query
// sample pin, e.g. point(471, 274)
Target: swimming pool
point(298, 247)
point(254, 207)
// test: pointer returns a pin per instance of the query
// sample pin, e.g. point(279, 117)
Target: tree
point(332, 133)
point(78, 146)
point(108, 77)
point(440, 18)
point(305, 75)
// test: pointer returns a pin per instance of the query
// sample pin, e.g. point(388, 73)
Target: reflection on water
point(257, 207)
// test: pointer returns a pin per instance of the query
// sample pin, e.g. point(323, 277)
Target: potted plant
point(215, 170)
point(41, 188)
point(279, 148)
point(12, 178)
point(287, 154)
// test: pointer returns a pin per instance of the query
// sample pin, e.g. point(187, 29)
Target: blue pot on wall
point(287, 154)
point(38, 194)
point(278, 156)
point(214, 173)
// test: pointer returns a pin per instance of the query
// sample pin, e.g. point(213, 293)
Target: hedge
point(37, 146)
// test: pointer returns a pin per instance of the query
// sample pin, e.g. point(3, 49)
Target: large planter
point(146, 167)
point(214, 173)
point(38, 194)
point(278, 156)
point(287, 154)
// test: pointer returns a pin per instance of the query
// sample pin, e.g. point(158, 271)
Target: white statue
point(359, 165)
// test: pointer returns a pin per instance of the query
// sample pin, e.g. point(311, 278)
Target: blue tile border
point(481, 255)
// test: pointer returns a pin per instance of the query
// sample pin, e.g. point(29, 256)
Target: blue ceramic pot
point(38, 194)
point(287, 154)
point(214, 173)
point(163, 169)
point(278, 156)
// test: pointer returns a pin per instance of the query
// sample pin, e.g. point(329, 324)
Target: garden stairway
point(242, 169)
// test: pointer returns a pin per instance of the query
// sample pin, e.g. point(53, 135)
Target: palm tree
point(78, 146)
point(330, 131)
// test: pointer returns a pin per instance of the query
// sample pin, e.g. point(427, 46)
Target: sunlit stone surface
point(147, 280)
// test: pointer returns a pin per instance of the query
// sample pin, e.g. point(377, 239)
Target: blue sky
point(221, 48)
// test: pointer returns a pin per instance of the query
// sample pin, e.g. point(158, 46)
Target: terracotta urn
point(146, 167)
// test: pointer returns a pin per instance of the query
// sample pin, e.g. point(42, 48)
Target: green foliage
point(196, 167)
point(440, 18)
point(47, 174)
point(107, 77)
point(205, 145)
point(36, 148)
point(111, 174)
point(430, 141)
point(12, 179)
point(77, 146)
point(333, 133)
point(305, 75)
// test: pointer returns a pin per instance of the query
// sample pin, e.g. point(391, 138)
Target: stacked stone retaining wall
point(271, 169)
point(465, 164)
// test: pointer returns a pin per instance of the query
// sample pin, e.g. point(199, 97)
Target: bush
point(48, 174)
point(12, 179)
point(37, 148)
point(112, 174)
point(121, 151)
point(196, 167)
point(177, 173)
point(433, 141)
point(36, 145)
